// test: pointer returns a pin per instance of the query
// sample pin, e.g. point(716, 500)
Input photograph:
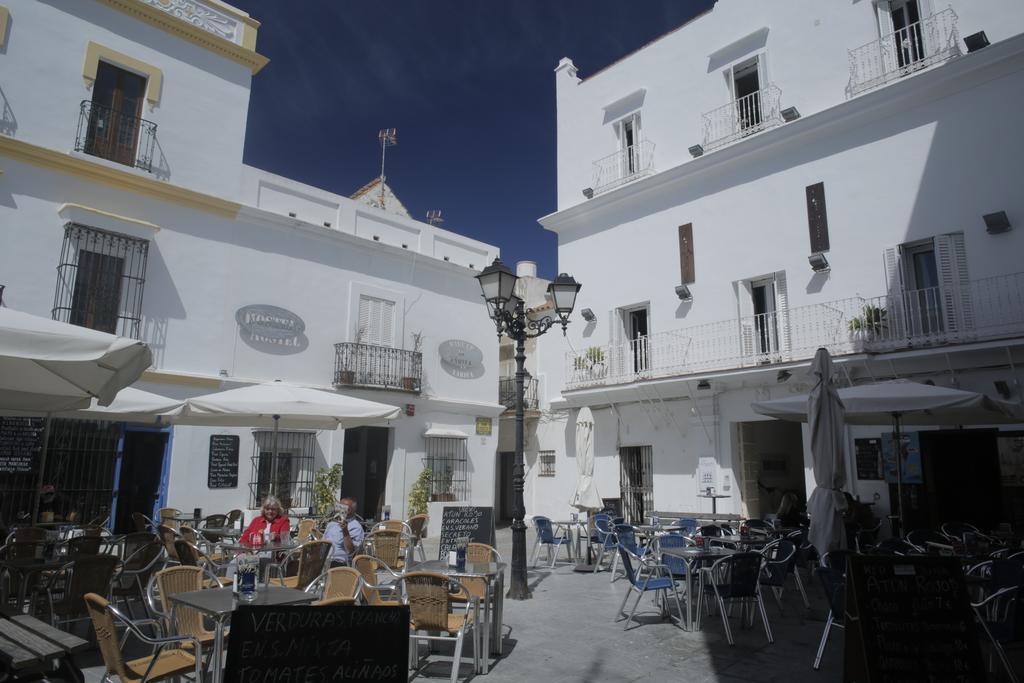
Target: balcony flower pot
point(346, 377)
point(409, 383)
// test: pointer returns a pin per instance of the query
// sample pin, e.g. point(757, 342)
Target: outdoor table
point(751, 540)
point(219, 603)
point(714, 500)
point(30, 648)
point(26, 567)
point(694, 556)
point(494, 574)
point(265, 552)
point(574, 533)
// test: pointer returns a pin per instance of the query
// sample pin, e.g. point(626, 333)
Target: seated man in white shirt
point(345, 533)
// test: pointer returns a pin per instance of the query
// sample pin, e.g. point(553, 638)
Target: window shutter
point(387, 323)
point(782, 311)
point(376, 321)
point(817, 219)
point(895, 305)
point(745, 301)
point(954, 283)
point(686, 271)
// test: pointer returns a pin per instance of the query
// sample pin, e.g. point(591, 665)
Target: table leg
point(486, 625)
point(499, 612)
point(689, 596)
point(217, 657)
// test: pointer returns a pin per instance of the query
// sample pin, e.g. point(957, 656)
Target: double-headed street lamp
point(511, 318)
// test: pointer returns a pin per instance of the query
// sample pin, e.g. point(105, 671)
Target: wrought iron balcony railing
point(760, 110)
point(988, 309)
point(507, 393)
point(930, 41)
point(111, 134)
point(377, 367)
point(624, 166)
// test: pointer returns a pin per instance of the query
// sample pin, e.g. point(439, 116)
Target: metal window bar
point(546, 462)
point(290, 476)
point(81, 463)
point(380, 367)
point(447, 461)
point(100, 280)
point(111, 134)
point(507, 392)
point(636, 482)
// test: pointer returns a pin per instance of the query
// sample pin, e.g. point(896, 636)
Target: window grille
point(290, 476)
point(447, 461)
point(100, 279)
point(636, 482)
point(546, 460)
point(80, 465)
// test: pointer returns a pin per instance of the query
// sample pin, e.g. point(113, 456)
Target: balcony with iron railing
point(114, 135)
point(371, 366)
point(626, 165)
point(753, 113)
point(507, 393)
point(933, 40)
point(982, 310)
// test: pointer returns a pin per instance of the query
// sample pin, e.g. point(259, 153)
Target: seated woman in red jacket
point(271, 517)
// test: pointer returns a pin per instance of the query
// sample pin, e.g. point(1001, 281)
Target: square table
point(494, 574)
point(219, 603)
point(694, 556)
point(285, 545)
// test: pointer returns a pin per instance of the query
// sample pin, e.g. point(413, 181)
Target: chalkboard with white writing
point(465, 521)
point(909, 619)
point(21, 440)
point(223, 467)
point(306, 644)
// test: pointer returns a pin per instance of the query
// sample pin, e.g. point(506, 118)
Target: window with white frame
point(376, 321)
point(546, 462)
point(763, 309)
point(628, 133)
point(929, 288)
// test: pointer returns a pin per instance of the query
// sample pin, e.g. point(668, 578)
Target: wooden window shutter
point(687, 275)
point(817, 218)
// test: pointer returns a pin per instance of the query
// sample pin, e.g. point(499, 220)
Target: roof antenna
point(388, 138)
point(434, 217)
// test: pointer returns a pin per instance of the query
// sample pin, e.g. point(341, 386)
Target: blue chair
point(625, 537)
point(833, 582)
point(604, 537)
point(778, 562)
point(649, 577)
point(676, 566)
point(688, 526)
point(735, 577)
point(711, 531)
point(1001, 614)
point(546, 536)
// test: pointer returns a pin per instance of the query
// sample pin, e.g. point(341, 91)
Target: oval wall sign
point(271, 329)
point(461, 359)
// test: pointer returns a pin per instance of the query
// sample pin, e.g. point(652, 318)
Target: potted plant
point(589, 358)
point(870, 324)
point(419, 495)
point(326, 485)
point(412, 383)
point(347, 375)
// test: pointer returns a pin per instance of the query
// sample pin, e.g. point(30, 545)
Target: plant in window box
point(870, 324)
point(412, 383)
point(589, 358)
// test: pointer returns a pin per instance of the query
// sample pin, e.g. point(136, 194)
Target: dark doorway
point(506, 496)
point(142, 464)
point(961, 480)
point(114, 121)
point(638, 339)
point(365, 469)
point(636, 482)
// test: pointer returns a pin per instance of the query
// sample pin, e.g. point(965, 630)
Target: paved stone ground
point(567, 632)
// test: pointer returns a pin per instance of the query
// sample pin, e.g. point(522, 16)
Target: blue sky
point(469, 85)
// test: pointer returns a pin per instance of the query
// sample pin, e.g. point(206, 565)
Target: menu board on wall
point(20, 442)
point(223, 467)
point(869, 458)
point(1011, 459)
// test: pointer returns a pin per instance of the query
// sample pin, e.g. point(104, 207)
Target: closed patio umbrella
point(585, 498)
point(825, 415)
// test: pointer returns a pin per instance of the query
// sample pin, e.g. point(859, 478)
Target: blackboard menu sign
point(223, 468)
point(869, 458)
point(301, 643)
point(459, 522)
point(21, 439)
point(909, 619)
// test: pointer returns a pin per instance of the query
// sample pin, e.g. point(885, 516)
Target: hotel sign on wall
point(461, 359)
point(271, 329)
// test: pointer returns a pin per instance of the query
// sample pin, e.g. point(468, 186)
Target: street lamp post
point(512, 319)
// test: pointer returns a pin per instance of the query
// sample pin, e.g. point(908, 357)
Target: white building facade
point(768, 179)
point(126, 207)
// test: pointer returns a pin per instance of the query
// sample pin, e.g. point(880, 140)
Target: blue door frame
point(165, 468)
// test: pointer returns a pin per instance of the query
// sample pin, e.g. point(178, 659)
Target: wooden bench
point(32, 649)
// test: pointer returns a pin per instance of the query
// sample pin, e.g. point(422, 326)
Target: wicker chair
point(164, 663)
point(212, 522)
point(342, 582)
point(190, 555)
point(166, 516)
point(475, 586)
point(368, 567)
point(334, 602)
point(168, 536)
point(233, 517)
point(187, 621)
point(80, 546)
point(143, 523)
point(430, 610)
point(189, 534)
point(306, 530)
point(135, 540)
point(417, 525)
point(387, 546)
point(313, 557)
point(138, 567)
point(28, 534)
point(89, 574)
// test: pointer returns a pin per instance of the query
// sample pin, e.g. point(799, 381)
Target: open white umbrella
point(48, 366)
point(904, 402)
point(585, 497)
point(130, 405)
point(277, 405)
point(825, 415)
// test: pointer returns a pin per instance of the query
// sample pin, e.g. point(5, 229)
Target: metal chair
point(922, 537)
point(833, 582)
point(778, 560)
point(430, 611)
point(135, 572)
point(168, 536)
point(167, 516)
point(897, 546)
point(955, 530)
point(163, 663)
point(342, 582)
point(89, 574)
point(313, 557)
point(687, 525)
point(546, 537)
point(190, 555)
point(143, 523)
point(371, 590)
point(417, 523)
point(80, 546)
point(735, 577)
point(233, 517)
point(604, 537)
point(625, 537)
point(651, 576)
point(676, 566)
point(711, 531)
point(306, 530)
point(187, 620)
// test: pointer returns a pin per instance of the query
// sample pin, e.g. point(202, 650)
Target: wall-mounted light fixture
point(588, 315)
point(683, 292)
point(703, 385)
point(996, 223)
point(790, 114)
point(976, 41)
point(696, 151)
point(1003, 388)
point(588, 192)
point(783, 376)
point(818, 262)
